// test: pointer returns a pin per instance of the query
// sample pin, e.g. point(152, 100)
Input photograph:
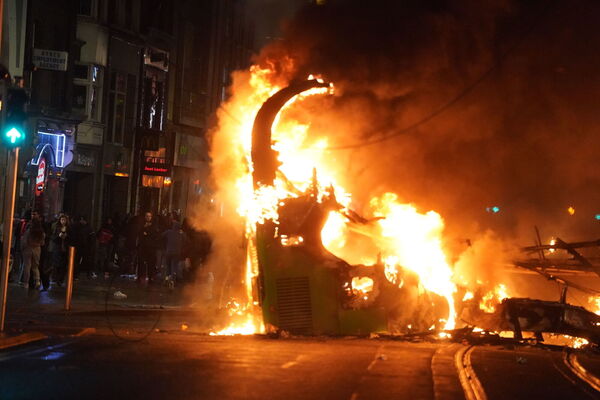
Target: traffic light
point(14, 124)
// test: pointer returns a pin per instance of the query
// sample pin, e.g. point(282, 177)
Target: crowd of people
point(145, 247)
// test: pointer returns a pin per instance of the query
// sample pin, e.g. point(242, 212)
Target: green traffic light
point(13, 135)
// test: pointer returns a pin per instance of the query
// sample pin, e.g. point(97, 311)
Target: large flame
point(401, 236)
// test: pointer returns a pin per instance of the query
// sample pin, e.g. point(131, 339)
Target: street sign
point(50, 59)
point(41, 177)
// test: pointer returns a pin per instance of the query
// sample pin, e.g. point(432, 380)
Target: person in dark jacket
point(46, 255)
point(61, 237)
point(175, 241)
point(104, 251)
point(147, 244)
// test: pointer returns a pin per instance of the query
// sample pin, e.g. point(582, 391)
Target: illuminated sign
point(41, 177)
point(56, 143)
point(156, 166)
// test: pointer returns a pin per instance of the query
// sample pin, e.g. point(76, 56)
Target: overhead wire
point(461, 95)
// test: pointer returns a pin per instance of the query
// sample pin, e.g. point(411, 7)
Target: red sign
point(156, 166)
point(41, 177)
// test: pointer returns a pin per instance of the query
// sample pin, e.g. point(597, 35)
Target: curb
point(24, 338)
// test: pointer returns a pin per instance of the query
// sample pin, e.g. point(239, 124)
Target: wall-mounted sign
point(156, 166)
point(41, 177)
point(50, 59)
point(85, 158)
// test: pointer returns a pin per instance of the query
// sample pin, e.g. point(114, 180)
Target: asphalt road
point(191, 366)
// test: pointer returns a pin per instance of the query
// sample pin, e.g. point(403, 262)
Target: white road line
point(468, 379)
point(377, 357)
point(292, 363)
point(571, 361)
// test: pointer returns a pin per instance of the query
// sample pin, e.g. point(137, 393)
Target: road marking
point(571, 361)
point(292, 363)
point(468, 379)
point(377, 357)
point(26, 353)
point(446, 384)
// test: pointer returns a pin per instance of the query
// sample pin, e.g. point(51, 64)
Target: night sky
point(508, 92)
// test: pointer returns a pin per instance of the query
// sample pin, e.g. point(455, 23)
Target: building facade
point(122, 94)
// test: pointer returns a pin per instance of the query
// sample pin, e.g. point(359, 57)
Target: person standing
point(46, 254)
point(61, 235)
point(31, 246)
point(147, 243)
point(104, 254)
point(175, 241)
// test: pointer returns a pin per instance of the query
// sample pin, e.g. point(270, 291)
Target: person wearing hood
point(175, 240)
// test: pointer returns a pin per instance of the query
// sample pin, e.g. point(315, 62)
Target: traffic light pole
point(9, 212)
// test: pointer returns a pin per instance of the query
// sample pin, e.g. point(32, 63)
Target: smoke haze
point(524, 139)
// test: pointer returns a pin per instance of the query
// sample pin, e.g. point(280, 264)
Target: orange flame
point(403, 237)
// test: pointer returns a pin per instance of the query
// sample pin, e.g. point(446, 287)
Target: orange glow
point(552, 243)
point(594, 302)
point(400, 236)
point(362, 286)
point(493, 297)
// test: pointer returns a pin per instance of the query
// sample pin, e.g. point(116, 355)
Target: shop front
point(45, 172)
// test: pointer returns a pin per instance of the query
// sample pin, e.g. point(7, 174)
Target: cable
point(462, 94)
point(110, 325)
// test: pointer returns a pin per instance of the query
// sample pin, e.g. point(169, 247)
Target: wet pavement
point(168, 365)
point(94, 305)
point(154, 345)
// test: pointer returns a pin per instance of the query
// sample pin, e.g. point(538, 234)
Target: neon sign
point(56, 142)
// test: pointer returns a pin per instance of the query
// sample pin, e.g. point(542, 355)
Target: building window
point(88, 8)
point(121, 108)
point(87, 90)
point(153, 109)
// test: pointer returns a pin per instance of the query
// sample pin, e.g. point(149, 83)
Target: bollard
point(70, 278)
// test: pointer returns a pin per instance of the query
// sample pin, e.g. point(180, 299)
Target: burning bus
point(300, 285)
point(316, 266)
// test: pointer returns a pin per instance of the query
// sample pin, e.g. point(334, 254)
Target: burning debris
point(330, 243)
point(303, 287)
point(315, 265)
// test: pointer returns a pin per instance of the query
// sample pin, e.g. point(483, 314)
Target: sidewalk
point(95, 306)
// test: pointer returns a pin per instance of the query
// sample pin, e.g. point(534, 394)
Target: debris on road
point(119, 295)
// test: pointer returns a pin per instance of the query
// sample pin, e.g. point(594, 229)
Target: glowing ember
point(362, 286)
point(493, 297)
point(565, 340)
point(246, 327)
point(552, 243)
point(594, 304)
